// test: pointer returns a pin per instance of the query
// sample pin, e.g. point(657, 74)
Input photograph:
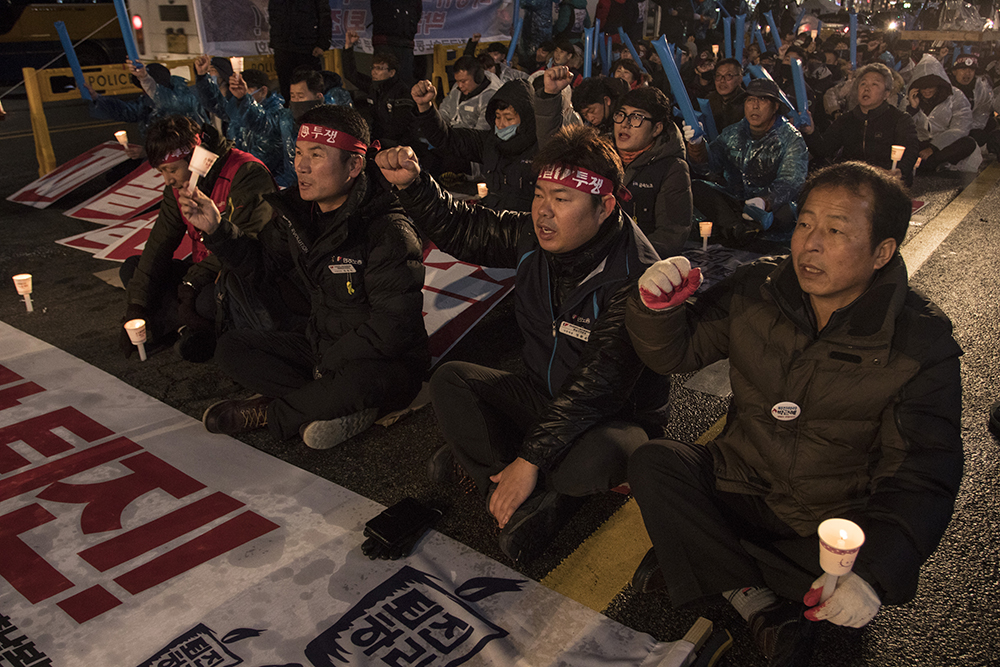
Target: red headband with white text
point(179, 154)
point(583, 180)
point(330, 137)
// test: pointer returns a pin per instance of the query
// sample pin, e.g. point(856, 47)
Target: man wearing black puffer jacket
point(535, 443)
point(505, 149)
point(354, 252)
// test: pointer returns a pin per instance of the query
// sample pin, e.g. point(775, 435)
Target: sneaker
point(994, 422)
point(331, 432)
point(535, 523)
point(648, 576)
point(196, 345)
point(783, 634)
point(232, 417)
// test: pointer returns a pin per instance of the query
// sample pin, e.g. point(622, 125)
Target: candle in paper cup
point(715, 49)
point(202, 160)
point(122, 137)
point(22, 283)
point(137, 334)
point(814, 33)
point(482, 190)
point(705, 229)
point(897, 154)
point(237, 63)
point(839, 542)
point(916, 165)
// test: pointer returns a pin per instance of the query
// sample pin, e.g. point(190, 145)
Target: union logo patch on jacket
point(340, 264)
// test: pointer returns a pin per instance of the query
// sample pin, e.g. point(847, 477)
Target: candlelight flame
point(843, 535)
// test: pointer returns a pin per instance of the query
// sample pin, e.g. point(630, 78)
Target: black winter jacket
point(388, 101)
point(506, 164)
point(577, 352)
point(299, 26)
point(394, 22)
point(361, 266)
point(869, 138)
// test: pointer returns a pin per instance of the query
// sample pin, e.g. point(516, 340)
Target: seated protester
point(212, 87)
point(260, 124)
point(309, 88)
point(168, 293)
point(762, 161)
point(169, 93)
point(352, 248)
point(595, 100)
point(334, 91)
point(505, 150)
point(656, 173)
point(943, 117)
point(628, 71)
point(544, 51)
point(500, 69)
point(868, 132)
point(702, 76)
point(813, 432)
point(784, 75)
point(979, 92)
point(573, 18)
point(565, 428)
point(727, 98)
point(465, 104)
point(383, 91)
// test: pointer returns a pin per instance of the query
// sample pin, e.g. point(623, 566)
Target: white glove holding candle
point(854, 603)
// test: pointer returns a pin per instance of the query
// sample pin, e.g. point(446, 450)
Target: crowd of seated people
point(306, 283)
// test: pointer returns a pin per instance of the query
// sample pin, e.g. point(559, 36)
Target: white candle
point(897, 154)
point(137, 334)
point(122, 137)
point(705, 229)
point(201, 162)
point(22, 283)
point(839, 542)
point(237, 63)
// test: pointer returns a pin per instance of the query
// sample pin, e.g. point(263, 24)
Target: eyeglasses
point(634, 119)
point(726, 77)
point(380, 68)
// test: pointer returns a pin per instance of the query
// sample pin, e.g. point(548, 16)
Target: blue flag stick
point(677, 85)
point(74, 63)
point(801, 101)
point(759, 36)
point(854, 40)
point(774, 29)
point(518, 22)
point(761, 73)
point(706, 113)
point(588, 51)
point(631, 48)
point(727, 31)
point(606, 60)
point(740, 36)
point(798, 22)
point(126, 25)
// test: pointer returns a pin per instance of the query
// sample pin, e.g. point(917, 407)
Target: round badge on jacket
point(785, 411)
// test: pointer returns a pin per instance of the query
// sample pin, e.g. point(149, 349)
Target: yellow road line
point(919, 249)
point(603, 564)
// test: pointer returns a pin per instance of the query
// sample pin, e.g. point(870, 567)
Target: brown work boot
point(232, 417)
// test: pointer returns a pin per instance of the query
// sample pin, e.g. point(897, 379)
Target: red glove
point(668, 283)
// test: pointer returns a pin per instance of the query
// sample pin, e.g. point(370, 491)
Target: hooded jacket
point(950, 120)
point(877, 433)
point(569, 309)
point(260, 128)
point(360, 265)
point(980, 96)
point(573, 18)
point(506, 164)
point(772, 167)
point(159, 101)
point(660, 184)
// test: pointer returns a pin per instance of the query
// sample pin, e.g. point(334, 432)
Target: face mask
point(299, 108)
point(507, 132)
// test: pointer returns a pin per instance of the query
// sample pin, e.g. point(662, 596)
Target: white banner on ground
point(125, 199)
point(132, 537)
point(120, 241)
point(68, 177)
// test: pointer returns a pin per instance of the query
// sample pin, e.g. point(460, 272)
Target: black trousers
point(951, 154)
point(163, 303)
point(281, 365)
point(486, 413)
point(708, 541)
point(285, 62)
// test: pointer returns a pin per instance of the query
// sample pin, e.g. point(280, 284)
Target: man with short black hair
point(387, 96)
point(535, 444)
point(352, 249)
point(846, 403)
point(465, 104)
point(727, 99)
point(595, 99)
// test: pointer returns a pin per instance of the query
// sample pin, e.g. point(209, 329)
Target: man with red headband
point(536, 443)
point(179, 294)
point(351, 248)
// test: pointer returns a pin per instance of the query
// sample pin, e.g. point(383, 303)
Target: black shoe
point(535, 523)
point(331, 432)
point(196, 345)
point(783, 634)
point(441, 466)
point(231, 417)
point(648, 576)
point(994, 422)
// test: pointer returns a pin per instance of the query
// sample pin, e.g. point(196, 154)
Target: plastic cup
point(122, 137)
point(237, 63)
point(22, 283)
point(839, 542)
point(705, 229)
point(137, 334)
point(482, 190)
point(201, 161)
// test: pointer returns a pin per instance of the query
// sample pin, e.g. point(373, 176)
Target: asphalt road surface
point(954, 619)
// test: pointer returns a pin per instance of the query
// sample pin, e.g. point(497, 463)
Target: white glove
point(756, 202)
point(853, 604)
point(667, 283)
point(689, 134)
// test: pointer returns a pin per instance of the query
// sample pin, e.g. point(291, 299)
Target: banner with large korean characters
point(129, 536)
point(242, 29)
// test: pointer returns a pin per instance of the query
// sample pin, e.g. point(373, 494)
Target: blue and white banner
point(242, 29)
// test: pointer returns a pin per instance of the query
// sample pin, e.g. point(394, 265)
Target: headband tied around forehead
point(179, 154)
point(583, 180)
point(335, 138)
